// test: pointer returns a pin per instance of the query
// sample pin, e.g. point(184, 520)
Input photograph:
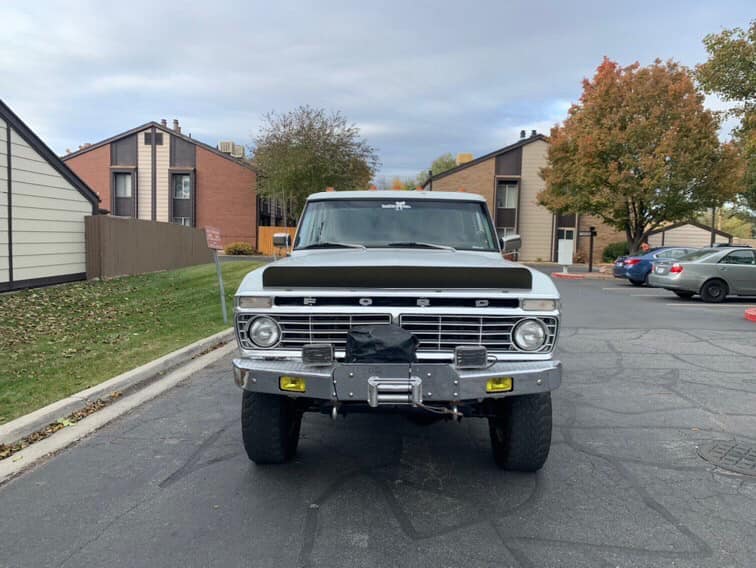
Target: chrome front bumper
point(396, 383)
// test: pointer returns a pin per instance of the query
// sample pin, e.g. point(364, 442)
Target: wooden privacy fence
point(265, 239)
point(119, 246)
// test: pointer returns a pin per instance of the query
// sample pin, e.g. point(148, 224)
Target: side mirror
point(510, 243)
point(282, 240)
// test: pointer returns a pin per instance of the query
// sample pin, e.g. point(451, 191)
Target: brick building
point(158, 173)
point(509, 178)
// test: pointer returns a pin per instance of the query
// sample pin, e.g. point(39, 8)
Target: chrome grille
point(445, 332)
point(299, 329)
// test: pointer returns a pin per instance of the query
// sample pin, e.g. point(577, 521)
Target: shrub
point(239, 249)
point(615, 250)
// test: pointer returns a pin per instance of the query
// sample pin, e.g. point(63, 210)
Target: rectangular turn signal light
point(292, 384)
point(499, 384)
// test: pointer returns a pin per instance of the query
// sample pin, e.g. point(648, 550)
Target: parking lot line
point(737, 306)
point(648, 295)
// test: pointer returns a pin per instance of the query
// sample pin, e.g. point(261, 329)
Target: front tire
point(714, 291)
point(521, 432)
point(636, 282)
point(683, 294)
point(270, 427)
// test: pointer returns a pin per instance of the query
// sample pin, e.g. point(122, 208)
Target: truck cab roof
point(396, 194)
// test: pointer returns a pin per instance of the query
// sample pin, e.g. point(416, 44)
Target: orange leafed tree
point(638, 150)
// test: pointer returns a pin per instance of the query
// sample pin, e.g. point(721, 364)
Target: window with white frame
point(122, 182)
point(182, 186)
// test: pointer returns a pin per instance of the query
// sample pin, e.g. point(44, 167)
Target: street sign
point(586, 234)
point(213, 236)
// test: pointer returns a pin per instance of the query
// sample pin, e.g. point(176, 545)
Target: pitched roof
point(519, 144)
point(163, 129)
point(706, 228)
point(20, 127)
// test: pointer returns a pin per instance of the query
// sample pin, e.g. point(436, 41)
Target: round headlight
point(530, 335)
point(264, 332)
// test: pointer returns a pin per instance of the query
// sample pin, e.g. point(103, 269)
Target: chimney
point(533, 133)
point(463, 158)
point(176, 127)
point(163, 122)
point(522, 134)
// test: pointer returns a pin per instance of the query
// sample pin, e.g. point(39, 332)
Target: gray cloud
point(420, 78)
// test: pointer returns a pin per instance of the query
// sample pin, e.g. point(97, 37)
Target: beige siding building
point(690, 234)
point(509, 178)
point(42, 210)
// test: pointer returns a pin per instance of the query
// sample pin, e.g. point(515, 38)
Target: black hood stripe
point(420, 277)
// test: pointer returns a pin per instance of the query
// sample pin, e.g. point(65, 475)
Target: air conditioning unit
point(237, 151)
point(226, 147)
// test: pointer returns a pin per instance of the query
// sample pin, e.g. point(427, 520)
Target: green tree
point(730, 72)
point(441, 164)
point(638, 150)
point(308, 149)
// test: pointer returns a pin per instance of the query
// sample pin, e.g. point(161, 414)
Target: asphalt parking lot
point(648, 379)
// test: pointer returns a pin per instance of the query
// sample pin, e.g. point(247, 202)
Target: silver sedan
point(714, 273)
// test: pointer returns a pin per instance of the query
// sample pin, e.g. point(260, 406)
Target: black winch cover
point(380, 344)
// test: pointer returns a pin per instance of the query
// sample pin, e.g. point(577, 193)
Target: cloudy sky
point(419, 78)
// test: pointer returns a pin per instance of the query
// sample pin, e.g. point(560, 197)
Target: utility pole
point(713, 228)
point(430, 179)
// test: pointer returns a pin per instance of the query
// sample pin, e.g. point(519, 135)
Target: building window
point(122, 182)
point(124, 196)
point(182, 198)
point(507, 196)
point(182, 186)
point(148, 138)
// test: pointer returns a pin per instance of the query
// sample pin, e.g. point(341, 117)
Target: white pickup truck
point(398, 302)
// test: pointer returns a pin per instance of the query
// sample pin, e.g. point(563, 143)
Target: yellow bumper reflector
point(499, 384)
point(292, 384)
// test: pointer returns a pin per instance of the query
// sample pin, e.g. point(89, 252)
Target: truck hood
point(416, 269)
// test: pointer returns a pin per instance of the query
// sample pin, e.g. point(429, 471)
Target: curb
point(567, 276)
point(17, 463)
point(25, 425)
point(750, 314)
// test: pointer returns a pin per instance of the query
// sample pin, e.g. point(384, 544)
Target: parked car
point(714, 273)
point(400, 304)
point(637, 268)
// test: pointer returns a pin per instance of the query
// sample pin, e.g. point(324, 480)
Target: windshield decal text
point(397, 206)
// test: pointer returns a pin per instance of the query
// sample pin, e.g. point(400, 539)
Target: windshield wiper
point(411, 244)
point(333, 244)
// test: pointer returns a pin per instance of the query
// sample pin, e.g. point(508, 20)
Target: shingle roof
point(20, 127)
point(504, 150)
point(163, 129)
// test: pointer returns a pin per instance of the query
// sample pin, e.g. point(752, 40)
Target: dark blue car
point(637, 268)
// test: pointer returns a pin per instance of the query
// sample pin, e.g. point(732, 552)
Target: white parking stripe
point(648, 295)
point(705, 306)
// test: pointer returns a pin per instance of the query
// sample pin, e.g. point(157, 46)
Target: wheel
point(683, 294)
point(636, 282)
point(521, 432)
point(270, 427)
point(714, 291)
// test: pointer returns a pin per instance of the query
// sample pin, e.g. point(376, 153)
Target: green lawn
point(57, 341)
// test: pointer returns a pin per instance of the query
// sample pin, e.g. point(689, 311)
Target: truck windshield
point(401, 223)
